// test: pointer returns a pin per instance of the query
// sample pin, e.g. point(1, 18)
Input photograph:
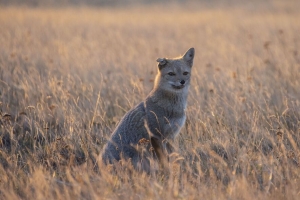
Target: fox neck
point(167, 98)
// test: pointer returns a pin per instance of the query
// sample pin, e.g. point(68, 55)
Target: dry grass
point(68, 75)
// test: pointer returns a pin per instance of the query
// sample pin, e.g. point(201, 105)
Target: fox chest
point(173, 126)
point(166, 125)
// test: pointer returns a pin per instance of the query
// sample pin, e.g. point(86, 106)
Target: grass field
point(68, 75)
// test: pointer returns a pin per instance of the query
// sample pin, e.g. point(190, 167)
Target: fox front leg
point(160, 150)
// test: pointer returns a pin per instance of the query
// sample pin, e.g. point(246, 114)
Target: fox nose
point(182, 82)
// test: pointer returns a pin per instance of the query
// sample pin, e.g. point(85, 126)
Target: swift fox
point(154, 123)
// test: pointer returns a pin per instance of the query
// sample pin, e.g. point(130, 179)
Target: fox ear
point(161, 62)
point(189, 56)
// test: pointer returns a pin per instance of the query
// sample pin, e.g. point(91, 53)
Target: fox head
point(174, 74)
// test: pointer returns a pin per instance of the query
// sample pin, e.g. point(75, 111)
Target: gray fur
point(149, 128)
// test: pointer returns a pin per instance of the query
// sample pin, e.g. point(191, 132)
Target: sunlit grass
point(68, 75)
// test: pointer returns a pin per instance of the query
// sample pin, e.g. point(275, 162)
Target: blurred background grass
point(69, 71)
point(125, 2)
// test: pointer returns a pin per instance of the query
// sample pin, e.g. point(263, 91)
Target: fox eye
point(185, 73)
point(171, 74)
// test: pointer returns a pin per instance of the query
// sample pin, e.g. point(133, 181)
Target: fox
point(147, 131)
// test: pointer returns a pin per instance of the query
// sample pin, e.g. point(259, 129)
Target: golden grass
point(68, 75)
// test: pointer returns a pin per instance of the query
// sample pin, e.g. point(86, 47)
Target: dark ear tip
point(162, 61)
point(192, 50)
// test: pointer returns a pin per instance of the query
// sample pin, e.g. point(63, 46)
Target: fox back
point(154, 123)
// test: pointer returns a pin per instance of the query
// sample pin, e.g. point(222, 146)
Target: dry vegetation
point(68, 75)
